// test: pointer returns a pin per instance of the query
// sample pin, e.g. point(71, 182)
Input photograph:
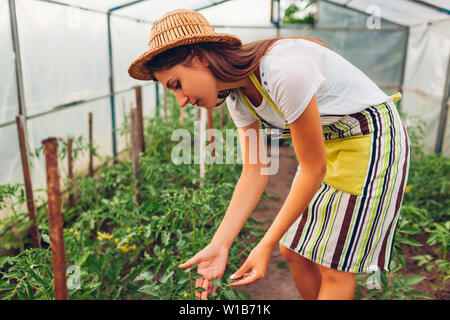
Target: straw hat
point(177, 28)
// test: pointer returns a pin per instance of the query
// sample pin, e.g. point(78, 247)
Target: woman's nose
point(181, 99)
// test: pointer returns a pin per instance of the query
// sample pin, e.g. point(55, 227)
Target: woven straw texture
point(177, 28)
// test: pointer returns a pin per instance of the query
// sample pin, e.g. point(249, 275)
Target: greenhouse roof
point(148, 10)
point(402, 12)
point(444, 4)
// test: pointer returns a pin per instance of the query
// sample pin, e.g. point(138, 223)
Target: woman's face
point(194, 84)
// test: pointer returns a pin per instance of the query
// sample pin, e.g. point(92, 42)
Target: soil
point(278, 283)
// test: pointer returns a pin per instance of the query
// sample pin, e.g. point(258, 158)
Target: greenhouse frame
point(62, 59)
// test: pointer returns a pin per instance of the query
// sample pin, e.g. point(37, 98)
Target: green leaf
point(230, 295)
point(419, 295)
point(180, 244)
point(157, 250)
point(216, 282)
point(146, 275)
point(166, 277)
point(281, 265)
point(412, 280)
point(165, 238)
point(200, 289)
point(411, 242)
point(150, 289)
point(46, 238)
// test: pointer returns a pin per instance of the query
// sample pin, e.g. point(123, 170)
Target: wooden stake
point(211, 137)
point(140, 119)
point(91, 144)
point(23, 143)
point(124, 110)
point(70, 169)
point(221, 116)
point(202, 131)
point(135, 152)
point(165, 106)
point(182, 116)
point(56, 218)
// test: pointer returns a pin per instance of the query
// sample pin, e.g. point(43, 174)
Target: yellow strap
point(247, 104)
point(396, 96)
point(249, 107)
point(264, 94)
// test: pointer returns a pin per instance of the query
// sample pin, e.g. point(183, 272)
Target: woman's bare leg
point(306, 273)
point(336, 285)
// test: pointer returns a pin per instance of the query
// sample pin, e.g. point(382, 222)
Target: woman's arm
point(212, 259)
point(249, 187)
point(307, 138)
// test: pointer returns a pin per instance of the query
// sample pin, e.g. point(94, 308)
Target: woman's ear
point(198, 58)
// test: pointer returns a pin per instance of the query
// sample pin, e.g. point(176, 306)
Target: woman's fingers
point(241, 271)
point(248, 278)
point(192, 261)
point(206, 286)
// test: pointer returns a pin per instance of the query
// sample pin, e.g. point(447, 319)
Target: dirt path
point(278, 283)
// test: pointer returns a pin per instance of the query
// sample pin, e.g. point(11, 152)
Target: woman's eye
point(178, 85)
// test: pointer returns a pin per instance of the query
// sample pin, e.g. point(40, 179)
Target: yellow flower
point(103, 236)
point(186, 294)
point(408, 188)
point(189, 196)
point(129, 230)
point(116, 240)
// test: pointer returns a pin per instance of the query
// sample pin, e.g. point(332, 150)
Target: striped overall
point(350, 223)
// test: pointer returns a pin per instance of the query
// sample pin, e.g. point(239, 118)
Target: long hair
point(227, 63)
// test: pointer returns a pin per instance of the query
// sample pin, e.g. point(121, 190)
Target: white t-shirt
point(293, 70)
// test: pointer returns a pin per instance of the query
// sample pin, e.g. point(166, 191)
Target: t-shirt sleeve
point(238, 111)
point(292, 82)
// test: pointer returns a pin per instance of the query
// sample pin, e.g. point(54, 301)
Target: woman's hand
point(211, 261)
point(257, 262)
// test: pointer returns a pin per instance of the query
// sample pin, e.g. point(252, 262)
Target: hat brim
point(138, 69)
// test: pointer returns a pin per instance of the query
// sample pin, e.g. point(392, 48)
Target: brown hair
point(227, 63)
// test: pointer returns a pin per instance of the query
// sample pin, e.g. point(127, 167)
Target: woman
point(340, 215)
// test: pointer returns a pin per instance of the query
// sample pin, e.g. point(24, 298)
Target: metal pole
point(24, 155)
point(403, 66)
point(16, 47)
point(135, 149)
point(111, 90)
point(444, 113)
point(140, 118)
point(157, 98)
point(91, 146)
point(70, 169)
point(55, 218)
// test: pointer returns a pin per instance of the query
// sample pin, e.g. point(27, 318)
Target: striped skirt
point(355, 232)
